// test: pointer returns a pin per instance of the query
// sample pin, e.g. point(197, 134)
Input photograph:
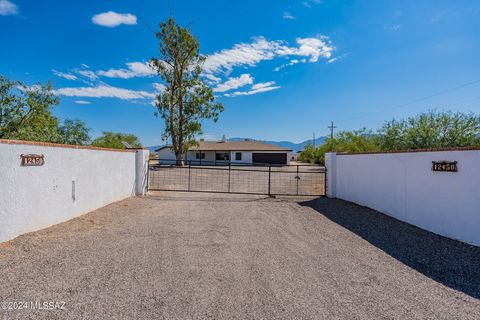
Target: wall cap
point(471, 148)
point(59, 145)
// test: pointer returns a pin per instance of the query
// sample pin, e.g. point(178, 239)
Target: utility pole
point(313, 140)
point(331, 127)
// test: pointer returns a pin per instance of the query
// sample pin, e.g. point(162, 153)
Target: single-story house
point(223, 152)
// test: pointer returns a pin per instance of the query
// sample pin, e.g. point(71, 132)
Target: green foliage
point(74, 132)
point(431, 130)
point(187, 100)
point(425, 131)
point(25, 112)
point(345, 141)
point(115, 140)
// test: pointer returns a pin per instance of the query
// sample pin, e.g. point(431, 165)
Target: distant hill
point(286, 144)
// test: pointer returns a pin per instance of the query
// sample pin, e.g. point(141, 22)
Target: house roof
point(246, 145)
point(163, 147)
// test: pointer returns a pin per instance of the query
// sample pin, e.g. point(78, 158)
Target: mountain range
point(286, 144)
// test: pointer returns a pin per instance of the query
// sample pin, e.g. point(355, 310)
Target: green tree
point(362, 140)
point(431, 130)
point(186, 100)
point(25, 112)
point(116, 140)
point(74, 132)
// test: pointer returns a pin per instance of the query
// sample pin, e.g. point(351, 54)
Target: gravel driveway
point(191, 256)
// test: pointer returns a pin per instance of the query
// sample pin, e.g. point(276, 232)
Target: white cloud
point(337, 58)
point(291, 63)
point(134, 69)
point(29, 88)
point(104, 91)
point(262, 85)
point(333, 60)
point(8, 8)
point(287, 15)
point(314, 48)
point(64, 75)
point(211, 77)
point(241, 55)
point(256, 88)
point(250, 54)
point(234, 83)
point(159, 87)
point(82, 102)
point(309, 3)
point(87, 73)
point(112, 19)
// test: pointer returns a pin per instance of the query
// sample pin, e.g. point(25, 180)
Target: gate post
point(229, 171)
point(141, 171)
point(189, 168)
point(269, 179)
point(331, 175)
point(297, 177)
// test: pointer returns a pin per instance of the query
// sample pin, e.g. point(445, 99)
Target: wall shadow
point(449, 262)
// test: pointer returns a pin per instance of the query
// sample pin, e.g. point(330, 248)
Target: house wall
point(403, 186)
point(166, 156)
point(246, 157)
point(209, 156)
point(73, 181)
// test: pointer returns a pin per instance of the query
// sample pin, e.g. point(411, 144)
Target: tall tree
point(25, 112)
point(186, 100)
point(74, 132)
point(116, 140)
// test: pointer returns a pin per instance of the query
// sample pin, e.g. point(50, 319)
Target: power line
point(416, 100)
point(459, 102)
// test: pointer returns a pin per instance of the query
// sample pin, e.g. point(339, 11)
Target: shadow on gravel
point(452, 263)
point(204, 199)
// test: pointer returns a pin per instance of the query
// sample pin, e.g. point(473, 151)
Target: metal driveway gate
point(262, 179)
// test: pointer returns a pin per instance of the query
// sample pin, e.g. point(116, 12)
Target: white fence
point(404, 186)
point(72, 181)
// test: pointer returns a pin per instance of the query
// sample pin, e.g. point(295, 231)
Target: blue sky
point(282, 69)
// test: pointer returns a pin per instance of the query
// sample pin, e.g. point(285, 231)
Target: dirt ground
point(203, 256)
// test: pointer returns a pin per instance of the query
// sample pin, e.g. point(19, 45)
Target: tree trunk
point(179, 160)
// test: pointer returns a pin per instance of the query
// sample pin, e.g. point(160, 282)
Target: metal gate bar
point(259, 179)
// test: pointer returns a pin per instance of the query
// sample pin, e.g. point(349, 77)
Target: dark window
point(222, 156)
point(198, 154)
point(238, 156)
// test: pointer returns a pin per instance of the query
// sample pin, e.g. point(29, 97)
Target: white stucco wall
point(32, 198)
point(403, 186)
